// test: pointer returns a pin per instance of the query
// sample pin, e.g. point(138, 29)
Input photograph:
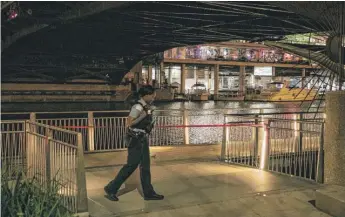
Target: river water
point(198, 107)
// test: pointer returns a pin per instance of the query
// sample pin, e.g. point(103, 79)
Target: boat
point(199, 92)
point(282, 92)
point(230, 95)
point(180, 97)
point(290, 94)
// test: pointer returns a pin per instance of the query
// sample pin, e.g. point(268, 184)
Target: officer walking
point(140, 124)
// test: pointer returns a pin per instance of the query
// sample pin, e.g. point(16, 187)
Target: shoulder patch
point(138, 107)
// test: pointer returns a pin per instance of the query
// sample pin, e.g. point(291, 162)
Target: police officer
point(140, 124)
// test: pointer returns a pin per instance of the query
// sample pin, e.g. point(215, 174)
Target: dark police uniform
point(138, 153)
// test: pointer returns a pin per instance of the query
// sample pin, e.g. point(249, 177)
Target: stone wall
point(334, 145)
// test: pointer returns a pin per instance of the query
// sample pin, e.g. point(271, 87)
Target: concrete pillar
point(169, 75)
point(242, 78)
point(183, 78)
point(157, 76)
point(334, 139)
point(303, 78)
point(149, 75)
point(162, 73)
point(216, 81)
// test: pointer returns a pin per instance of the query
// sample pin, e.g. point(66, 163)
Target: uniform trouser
point(138, 153)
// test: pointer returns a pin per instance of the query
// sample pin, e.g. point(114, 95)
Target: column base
point(331, 200)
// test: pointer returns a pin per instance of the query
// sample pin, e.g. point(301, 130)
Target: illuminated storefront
point(202, 75)
point(250, 69)
point(264, 76)
point(172, 74)
point(229, 78)
point(152, 78)
point(261, 55)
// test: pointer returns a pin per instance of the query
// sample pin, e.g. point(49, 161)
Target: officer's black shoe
point(154, 196)
point(109, 195)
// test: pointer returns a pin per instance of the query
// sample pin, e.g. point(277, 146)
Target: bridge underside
point(197, 185)
point(320, 58)
point(61, 41)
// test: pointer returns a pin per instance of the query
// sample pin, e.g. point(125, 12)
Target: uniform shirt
point(137, 109)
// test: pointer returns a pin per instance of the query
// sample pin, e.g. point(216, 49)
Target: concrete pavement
point(207, 189)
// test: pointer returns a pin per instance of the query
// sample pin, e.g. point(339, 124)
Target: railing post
point(320, 161)
point(268, 143)
point(91, 132)
point(256, 140)
point(265, 147)
point(82, 203)
point(47, 152)
point(223, 149)
point(28, 147)
point(186, 129)
point(300, 144)
point(32, 116)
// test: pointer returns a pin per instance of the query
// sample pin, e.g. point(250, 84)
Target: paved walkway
point(205, 189)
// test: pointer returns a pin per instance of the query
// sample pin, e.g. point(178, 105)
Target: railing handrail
point(279, 128)
point(297, 121)
point(63, 143)
point(157, 110)
point(50, 139)
point(276, 113)
point(252, 116)
point(52, 127)
point(12, 121)
point(267, 126)
point(294, 130)
point(13, 131)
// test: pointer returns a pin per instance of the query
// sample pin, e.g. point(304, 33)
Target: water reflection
point(207, 135)
point(102, 106)
point(205, 113)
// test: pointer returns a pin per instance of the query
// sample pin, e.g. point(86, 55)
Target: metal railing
point(79, 125)
point(105, 130)
point(284, 142)
point(296, 152)
point(47, 154)
point(13, 147)
point(287, 146)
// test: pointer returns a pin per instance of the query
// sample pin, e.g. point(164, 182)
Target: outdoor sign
point(263, 71)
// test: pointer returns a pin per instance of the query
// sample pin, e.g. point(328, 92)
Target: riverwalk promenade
point(200, 188)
